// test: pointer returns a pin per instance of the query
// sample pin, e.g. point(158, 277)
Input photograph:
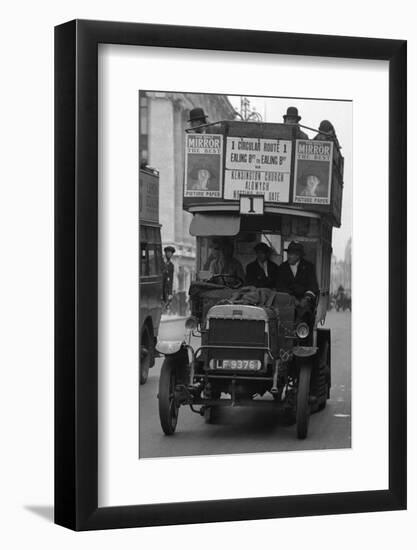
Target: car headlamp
point(302, 330)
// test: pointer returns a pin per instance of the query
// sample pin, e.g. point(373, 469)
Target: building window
point(143, 127)
point(143, 114)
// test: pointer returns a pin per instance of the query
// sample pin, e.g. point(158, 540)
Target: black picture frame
point(76, 272)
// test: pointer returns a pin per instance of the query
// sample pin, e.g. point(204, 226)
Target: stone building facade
point(163, 118)
point(341, 270)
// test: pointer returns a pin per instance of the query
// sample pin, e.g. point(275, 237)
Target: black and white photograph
point(245, 274)
point(208, 275)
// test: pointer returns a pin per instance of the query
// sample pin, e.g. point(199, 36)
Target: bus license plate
point(238, 364)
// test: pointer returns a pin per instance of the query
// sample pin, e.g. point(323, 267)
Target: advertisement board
point(148, 197)
point(203, 165)
point(257, 166)
point(313, 171)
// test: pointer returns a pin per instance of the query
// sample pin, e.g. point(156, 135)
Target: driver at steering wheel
point(223, 262)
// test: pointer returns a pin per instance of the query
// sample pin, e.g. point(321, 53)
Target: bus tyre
point(168, 408)
point(324, 386)
point(303, 405)
point(146, 355)
point(319, 384)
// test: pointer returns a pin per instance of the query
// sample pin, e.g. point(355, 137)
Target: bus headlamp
point(302, 330)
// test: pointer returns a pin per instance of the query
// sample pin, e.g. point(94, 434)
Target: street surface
point(250, 430)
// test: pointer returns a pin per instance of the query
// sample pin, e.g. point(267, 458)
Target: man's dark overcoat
point(304, 281)
point(255, 275)
point(167, 279)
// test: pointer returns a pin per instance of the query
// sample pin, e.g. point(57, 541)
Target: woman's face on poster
point(312, 182)
point(203, 177)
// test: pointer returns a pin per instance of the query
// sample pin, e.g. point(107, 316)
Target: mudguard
point(304, 351)
point(169, 347)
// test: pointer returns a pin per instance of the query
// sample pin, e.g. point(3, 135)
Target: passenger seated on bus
point(223, 262)
point(292, 117)
point(327, 133)
point(263, 272)
point(297, 277)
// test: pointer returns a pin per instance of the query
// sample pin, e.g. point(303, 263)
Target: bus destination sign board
point(257, 166)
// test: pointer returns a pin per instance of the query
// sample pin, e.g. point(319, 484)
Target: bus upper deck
point(263, 160)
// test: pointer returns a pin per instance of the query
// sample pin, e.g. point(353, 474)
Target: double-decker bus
point(150, 268)
point(248, 183)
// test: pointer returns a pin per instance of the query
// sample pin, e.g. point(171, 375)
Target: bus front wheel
point(303, 401)
point(168, 407)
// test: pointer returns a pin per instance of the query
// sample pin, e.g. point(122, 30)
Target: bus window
point(153, 235)
point(144, 233)
point(151, 251)
point(144, 263)
point(273, 240)
point(152, 260)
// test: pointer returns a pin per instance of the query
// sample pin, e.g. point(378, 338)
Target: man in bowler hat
point(293, 118)
point(297, 277)
point(197, 118)
point(262, 272)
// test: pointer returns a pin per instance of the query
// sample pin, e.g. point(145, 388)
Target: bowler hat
point(295, 248)
point(262, 247)
point(197, 114)
point(293, 113)
point(169, 249)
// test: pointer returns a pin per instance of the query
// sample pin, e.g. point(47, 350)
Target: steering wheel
point(229, 281)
